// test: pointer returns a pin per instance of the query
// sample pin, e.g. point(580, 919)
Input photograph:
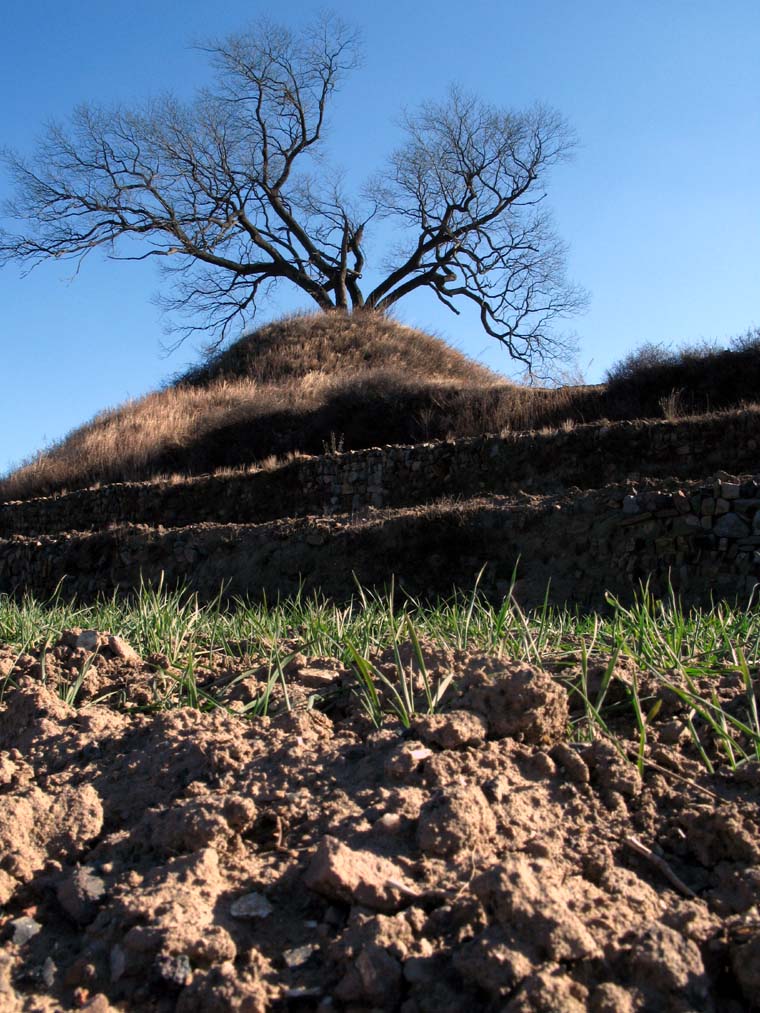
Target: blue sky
point(661, 205)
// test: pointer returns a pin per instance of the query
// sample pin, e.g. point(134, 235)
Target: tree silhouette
point(231, 193)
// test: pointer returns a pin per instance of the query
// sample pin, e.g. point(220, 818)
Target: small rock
point(390, 822)
point(251, 905)
point(24, 929)
point(671, 732)
point(731, 526)
point(121, 649)
point(80, 893)
point(299, 955)
point(174, 970)
point(48, 973)
point(302, 993)
point(496, 789)
point(88, 640)
point(350, 876)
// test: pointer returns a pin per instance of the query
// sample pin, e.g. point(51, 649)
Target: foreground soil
point(181, 860)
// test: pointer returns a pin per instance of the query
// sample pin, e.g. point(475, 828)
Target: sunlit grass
point(682, 654)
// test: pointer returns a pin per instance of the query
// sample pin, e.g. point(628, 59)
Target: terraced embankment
point(596, 508)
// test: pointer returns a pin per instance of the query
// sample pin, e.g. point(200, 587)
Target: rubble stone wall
point(703, 539)
point(587, 457)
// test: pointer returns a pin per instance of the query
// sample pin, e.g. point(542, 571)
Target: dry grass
point(658, 381)
point(318, 345)
point(304, 384)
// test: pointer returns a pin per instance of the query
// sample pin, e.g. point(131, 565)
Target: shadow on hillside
point(320, 383)
point(377, 412)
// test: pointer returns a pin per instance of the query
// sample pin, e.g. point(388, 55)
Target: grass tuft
point(628, 668)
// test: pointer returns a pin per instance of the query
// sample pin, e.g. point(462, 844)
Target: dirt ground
point(195, 862)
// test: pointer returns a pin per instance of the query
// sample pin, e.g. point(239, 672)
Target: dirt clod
point(183, 861)
point(343, 874)
point(455, 819)
point(515, 700)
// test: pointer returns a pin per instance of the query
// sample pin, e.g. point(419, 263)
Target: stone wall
point(597, 508)
point(587, 457)
point(703, 538)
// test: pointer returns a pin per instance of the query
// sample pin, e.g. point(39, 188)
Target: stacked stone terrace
point(597, 508)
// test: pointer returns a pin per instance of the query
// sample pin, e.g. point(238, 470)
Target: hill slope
point(301, 385)
point(317, 383)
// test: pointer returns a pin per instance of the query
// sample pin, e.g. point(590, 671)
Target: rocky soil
point(180, 860)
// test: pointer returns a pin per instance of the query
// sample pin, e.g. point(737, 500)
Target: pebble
point(299, 955)
point(251, 905)
point(88, 640)
point(121, 649)
point(49, 970)
point(80, 893)
point(24, 929)
point(174, 970)
point(303, 993)
point(391, 822)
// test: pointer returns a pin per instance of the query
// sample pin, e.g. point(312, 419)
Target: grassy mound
point(303, 385)
point(315, 383)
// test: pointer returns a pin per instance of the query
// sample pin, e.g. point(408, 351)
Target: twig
point(680, 777)
point(279, 832)
point(641, 849)
point(396, 884)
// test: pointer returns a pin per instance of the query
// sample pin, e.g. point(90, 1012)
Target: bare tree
point(232, 194)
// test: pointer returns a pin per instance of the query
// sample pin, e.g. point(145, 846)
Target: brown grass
point(655, 380)
point(305, 384)
point(330, 344)
point(317, 383)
